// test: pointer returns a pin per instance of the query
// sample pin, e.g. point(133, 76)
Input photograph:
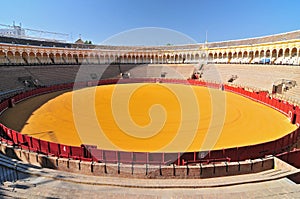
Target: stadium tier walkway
point(35, 182)
point(255, 76)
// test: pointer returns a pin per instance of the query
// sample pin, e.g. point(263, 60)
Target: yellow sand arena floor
point(156, 117)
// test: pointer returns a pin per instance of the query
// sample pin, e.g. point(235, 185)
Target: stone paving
point(41, 187)
point(46, 183)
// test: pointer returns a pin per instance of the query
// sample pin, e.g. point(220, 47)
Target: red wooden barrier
point(241, 153)
point(35, 144)
point(125, 157)
point(76, 152)
point(54, 149)
point(44, 147)
point(14, 137)
point(110, 156)
point(155, 158)
point(64, 151)
point(140, 157)
point(97, 154)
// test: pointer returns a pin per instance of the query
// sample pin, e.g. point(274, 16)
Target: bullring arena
point(57, 116)
point(213, 115)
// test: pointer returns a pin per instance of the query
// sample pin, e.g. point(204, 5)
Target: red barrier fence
point(91, 153)
point(292, 157)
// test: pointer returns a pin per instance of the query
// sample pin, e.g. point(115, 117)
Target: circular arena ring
point(249, 125)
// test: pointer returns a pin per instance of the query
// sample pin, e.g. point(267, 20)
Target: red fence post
point(147, 158)
point(178, 158)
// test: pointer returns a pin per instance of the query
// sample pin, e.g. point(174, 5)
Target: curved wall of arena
point(273, 49)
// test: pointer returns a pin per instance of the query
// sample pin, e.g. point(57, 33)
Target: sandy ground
point(155, 117)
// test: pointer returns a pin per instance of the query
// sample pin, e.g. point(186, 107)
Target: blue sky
point(98, 20)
